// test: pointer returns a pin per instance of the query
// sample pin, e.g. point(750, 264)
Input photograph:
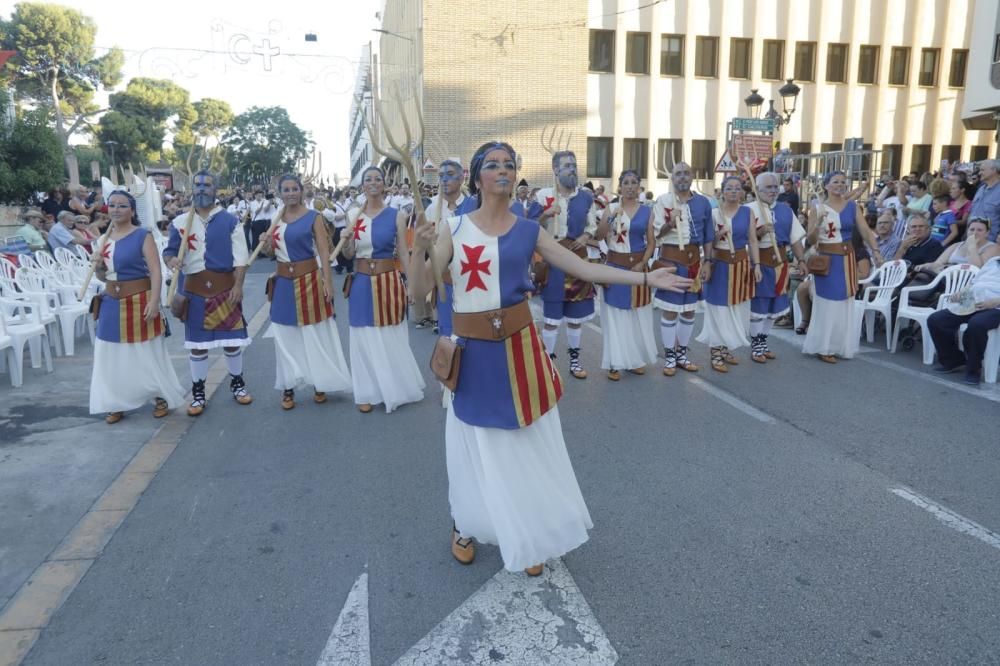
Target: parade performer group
point(306, 342)
point(131, 365)
point(211, 265)
point(511, 482)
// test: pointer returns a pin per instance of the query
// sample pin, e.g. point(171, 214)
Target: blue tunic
point(729, 282)
point(298, 302)
point(468, 205)
point(766, 300)
point(121, 320)
point(556, 302)
point(841, 282)
point(633, 240)
point(376, 239)
point(701, 233)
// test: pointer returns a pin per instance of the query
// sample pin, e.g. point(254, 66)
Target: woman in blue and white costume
point(735, 271)
point(832, 224)
point(306, 342)
point(131, 365)
point(382, 364)
point(511, 482)
point(627, 311)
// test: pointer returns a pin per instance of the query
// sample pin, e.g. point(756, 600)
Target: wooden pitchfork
point(400, 152)
point(765, 209)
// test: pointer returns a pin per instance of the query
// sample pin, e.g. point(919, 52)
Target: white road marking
point(985, 391)
point(349, 642)
point(732, 400)
point(949, 517)
point(516, 619)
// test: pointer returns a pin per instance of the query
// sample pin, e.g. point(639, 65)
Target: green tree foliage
point(206, 120)
point(31, 157)
point(138, 118)
point(56, 65)
point(264, 142)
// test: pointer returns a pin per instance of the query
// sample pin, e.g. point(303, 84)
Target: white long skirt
point(129, 375)
point(515, 489)
point(726, 325)
point(628, 340)
point(383, 367)
point(832, 328)
point(310, 355)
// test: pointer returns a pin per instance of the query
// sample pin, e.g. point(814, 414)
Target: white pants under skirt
point(831, 328)
point(515, 489)
point(383, 367)
point(310, 355)
point(627, 337)
point(129, 375)
point(726, 325)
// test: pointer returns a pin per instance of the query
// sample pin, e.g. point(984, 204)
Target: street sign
point(753, 125)
point(752, 147)
point(726, 164)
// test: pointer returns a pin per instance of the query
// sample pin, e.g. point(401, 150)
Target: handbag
point(818, 264)
point(540, 274)
point(179, 306)
point(446, 359)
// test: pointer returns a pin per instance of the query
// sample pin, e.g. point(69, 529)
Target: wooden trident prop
point(399, 150)
point(103, 240)
point(765, 209)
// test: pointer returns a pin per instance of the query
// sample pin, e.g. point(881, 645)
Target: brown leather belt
point(687, 255)
point(124, 288)
point(730, 257)
point(492, 324)
point(568, 242)
point(208, 283)
point(767, 256)
point(374, 266)
point(835, 248)
point(294, 269)
point(626, 259)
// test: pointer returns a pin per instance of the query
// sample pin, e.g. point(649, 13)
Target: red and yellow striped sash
point(222, 315)
point(535, 381)
point(641, 296)
point(311, 307)
point(388, 298)
point(133, 327)
point(850, 272)
point(741, 282)
point(782, 276)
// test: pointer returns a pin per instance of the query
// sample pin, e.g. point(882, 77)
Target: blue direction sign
point(753, 125)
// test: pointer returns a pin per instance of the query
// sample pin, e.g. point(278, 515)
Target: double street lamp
point(789, 96)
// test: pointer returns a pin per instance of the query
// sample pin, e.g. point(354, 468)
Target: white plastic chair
point(45, 261)
point(82, 252)
point(65, 257)
point(7, 352)
point(991, 359)
point(31, 287)
point(7, 268)
point(23, 323)
point(877, 298)
point(955, 279)
point(61, 300)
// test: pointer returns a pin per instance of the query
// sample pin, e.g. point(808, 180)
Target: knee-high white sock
point(685, 331)
point(234, 362)
point(549, 339)
point(756, 326)
point(199, 367)
point(668, 333)
point(573, 336)
point(768, 323)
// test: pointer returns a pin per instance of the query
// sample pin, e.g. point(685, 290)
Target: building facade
point(629, 82)
point(361, 107)
point(982, 101)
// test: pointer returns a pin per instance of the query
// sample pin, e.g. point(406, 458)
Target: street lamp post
point(754, 101)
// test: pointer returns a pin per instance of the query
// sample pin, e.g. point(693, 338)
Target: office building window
point(703, 159)
point(634, 155)
point(899, 66)
point(740, 58)
point(637, 53)
point(836, 63)
point(979, 153)
point(774, 60)
point(671, 55)
point(892, 159)
point(868, 65)
point(602, 51)
point(598, 157)
point(951, 153)
point(668, 153)
point(959, 62)
point(805, 61)
point(929, 67)
point(706, 57)
point(920, 159)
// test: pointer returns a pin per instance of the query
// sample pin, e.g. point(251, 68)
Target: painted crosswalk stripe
point(949, 517)
point(350, 641)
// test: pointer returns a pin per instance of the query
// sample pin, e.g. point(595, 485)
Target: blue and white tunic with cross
point(771, 293)
point(463, 205)
point(627, 236)
point(298, 301)
point(692, 222)
point(376, 300)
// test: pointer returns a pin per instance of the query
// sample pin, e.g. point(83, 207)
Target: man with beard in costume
point(210, 288)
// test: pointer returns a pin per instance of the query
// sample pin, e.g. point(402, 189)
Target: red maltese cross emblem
point(474, 266)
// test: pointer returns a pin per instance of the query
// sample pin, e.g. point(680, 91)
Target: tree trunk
point(72, 166)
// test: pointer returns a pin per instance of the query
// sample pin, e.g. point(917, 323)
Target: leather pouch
point(179, 307)
point(446, 359)
point(818, 264)
point(95, 306)
point(348, 281)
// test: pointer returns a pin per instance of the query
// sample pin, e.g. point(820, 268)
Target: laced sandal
point(669, 363)
point(682, 360)
point(827, 358)
point(287, 398)
point(575, 368)
point(718, 360)
point(197, 405)
point(463, 550)
point(757, 350)
point(614, 375)
point(239, 390)
point(365, 408)
point(536, 570)
point(160, 408)
point(319, 397)
point(728, 356)
point(637, 371)
point(114, 417)
point(770, 355)
point(802, 328)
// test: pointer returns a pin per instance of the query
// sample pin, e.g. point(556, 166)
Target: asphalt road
point(757, 525)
